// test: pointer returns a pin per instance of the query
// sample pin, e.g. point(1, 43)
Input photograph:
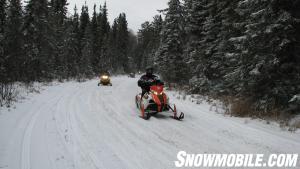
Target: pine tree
point(58, 18)
point(2, 14)
point(144, 39)
point(245, 49)
point(76, 32)
point(70, 54)
point(212, 58)
point(2, 28)
point(169, 56)
point(112, 47)
point(148, 42)
point(14, 41)
point(270, 52)
point(85, 35)
point(86, 69)
point(152, 45)
point(157, 26)
point(229, 47)
point(104, 29)
point(38, 45)
point(3, 6)
point(84, 22)
point(74, 45)
point(104, 24)
point(122, 42)
point(195, 15)
point(96, 48)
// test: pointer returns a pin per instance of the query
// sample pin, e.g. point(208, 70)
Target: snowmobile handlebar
point(151, 82)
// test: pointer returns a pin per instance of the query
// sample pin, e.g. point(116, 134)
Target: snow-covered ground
point(82, 126)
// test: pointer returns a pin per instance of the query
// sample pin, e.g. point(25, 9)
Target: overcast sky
point(137, 11)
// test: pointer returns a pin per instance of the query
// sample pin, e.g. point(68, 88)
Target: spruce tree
point(76, 32)
point(113, 49)
point(195, 14)
point(14, 41)
point(2, 28)
point(144, 39)
point(104, 29)
point(270, 52)
point(84, 22)
point(3, 15)
point(3, 4)
point(157, 26)
point(85, 34)
point(74, 45)
point(69, 54)
point(58, 18)
point(122, 42)
point(148, 42)
point(169, 56)
point(38, 45)
point(86, 68)
point(104, 24)
point(96, 48)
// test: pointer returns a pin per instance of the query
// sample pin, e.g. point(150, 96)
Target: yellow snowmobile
point(105, 80)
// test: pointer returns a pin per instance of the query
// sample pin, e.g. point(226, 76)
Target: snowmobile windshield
point(105, 74)
point(158, 82)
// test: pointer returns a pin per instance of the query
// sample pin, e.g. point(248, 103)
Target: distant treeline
point(41, 42)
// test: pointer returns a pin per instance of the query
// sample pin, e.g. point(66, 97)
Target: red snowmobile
point(156, 101)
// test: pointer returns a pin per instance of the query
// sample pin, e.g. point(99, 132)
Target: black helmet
point(149, 70)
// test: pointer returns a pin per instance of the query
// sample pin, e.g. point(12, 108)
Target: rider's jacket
point(146, 81)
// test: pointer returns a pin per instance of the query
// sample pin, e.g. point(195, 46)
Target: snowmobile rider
point(146, 80)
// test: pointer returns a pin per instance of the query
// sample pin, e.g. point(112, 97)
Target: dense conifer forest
point(244, 52)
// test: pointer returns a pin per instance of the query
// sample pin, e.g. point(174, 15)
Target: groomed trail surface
point(83, 126)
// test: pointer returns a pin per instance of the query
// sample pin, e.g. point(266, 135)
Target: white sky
point(137, 11)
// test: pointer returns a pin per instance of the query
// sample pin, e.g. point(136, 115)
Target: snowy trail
point(83, 126)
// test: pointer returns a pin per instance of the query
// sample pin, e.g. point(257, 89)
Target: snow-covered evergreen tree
point(246, 49)
point(195, 13)
point(270, 63)
point(169, 58)
point(58, 19)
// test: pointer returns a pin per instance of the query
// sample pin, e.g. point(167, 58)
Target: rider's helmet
point(149, 70)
